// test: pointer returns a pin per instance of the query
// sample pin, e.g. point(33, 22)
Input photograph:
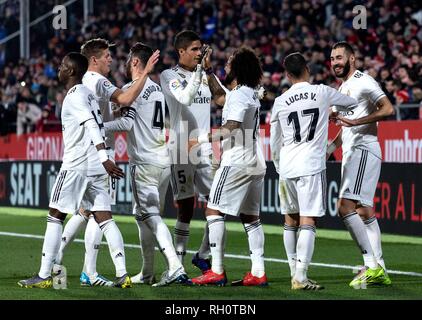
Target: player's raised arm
point(183, 92)
point(217, 90)
point(127, 97)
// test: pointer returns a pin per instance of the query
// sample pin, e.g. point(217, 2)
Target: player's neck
point(72, 82)
point(184, 66)
point(351, 72)
point(294, 81)
point(93, 69)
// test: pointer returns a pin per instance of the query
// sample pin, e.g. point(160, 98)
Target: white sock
point(71, 229)
point(290, 241)
point(164, 240)
point(181, 238)
point(357, 230)
point(115, 244)
point(51, 245)
point(92, 240)
point(204, 249)
point(216, 228)
point(374, 236)
point(256, 246)
point(147, 241)
point(305, 250)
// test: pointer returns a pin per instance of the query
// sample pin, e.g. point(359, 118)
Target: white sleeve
point(236, 107)
point(372, 89)
point(276, 137)
point(82, 104)
point(93, 131)
point(104, 88)
point(338, 100)
point(124, 123)
point(182, 91)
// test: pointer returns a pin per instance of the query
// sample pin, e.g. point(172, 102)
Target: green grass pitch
point(20, 258)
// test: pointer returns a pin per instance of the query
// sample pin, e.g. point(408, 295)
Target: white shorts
point(149, 188)
point(188, 179)
point(70, 188)
point(233, 192)
point(360, 171)
point(304, 195)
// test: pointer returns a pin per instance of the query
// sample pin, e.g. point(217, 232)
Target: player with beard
point(361, 163)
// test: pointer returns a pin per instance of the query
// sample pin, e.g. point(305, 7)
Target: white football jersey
point(242, 149)
point(147, 138)
point(367, 92)
point(103, 89)
point(195, 116)
point(79, 105)
point(300, 116)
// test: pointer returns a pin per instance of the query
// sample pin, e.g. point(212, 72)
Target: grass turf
point(21, 258)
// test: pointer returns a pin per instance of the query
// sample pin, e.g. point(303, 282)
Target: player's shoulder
point(170, 73)
point(361, 77)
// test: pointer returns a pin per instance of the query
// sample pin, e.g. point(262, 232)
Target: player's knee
point(245, 218)
point(101, 216)
point(57, 214)
point(346, 206)
point(292, 220)
point(185, 211)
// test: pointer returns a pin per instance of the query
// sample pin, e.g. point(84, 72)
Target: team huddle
point(94, 110)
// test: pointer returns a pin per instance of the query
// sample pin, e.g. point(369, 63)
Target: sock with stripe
point(256, 247)
point(216, 228)
point(163, 236)
point(374, 236)
point(115, 244)
point(147, 241)
point(92, 240)
point(51, 245)
point(71, 229)
point(181, 238)
point(305, 250)
point(357, 230)
point(204, 249)
point(290, 242)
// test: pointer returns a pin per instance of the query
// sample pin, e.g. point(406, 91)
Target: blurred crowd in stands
point(390, 49)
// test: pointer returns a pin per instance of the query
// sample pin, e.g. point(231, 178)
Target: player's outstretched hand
point(206, 59)
point(344, 122)
point(113, 170)
point(152, 61)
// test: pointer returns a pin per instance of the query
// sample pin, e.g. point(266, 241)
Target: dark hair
point(184, 38)
point(141, 51)
point(94, 47)
point(295, 64)
point(343, 44)
point(78, 62)
point(245, 67)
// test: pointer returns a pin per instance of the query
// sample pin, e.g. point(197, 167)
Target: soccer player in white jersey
point(149, 161)
point(188, 90)
point(299, 131)
point(99, 58)
point(237, 185)
point(77, 180)
point(361, 163)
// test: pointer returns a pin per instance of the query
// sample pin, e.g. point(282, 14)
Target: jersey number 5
point(294, 118)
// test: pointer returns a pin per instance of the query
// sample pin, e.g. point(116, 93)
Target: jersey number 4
point(294, 118)
point(158, 119)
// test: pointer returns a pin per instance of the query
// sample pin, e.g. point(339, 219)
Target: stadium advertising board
point(397, 201)
point(401, 141)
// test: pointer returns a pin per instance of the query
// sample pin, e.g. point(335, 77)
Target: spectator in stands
point(48, 121)
point(27, 116)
